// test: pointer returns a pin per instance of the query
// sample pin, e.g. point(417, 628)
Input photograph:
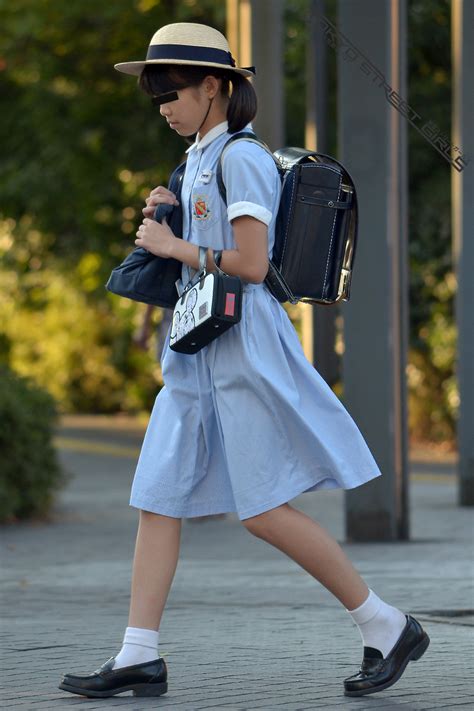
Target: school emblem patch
point(201, 210)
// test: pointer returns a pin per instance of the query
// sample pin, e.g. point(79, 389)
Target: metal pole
point(462, 185)
point(250, 24)
point(373, 144)
point(318, 322)
point(267, 52)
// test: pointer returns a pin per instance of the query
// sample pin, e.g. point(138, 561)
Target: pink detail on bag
point(229, 304)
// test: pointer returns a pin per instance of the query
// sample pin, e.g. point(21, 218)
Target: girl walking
point(245, 424)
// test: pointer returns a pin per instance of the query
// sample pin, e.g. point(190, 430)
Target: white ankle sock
point(380, 625)
point(139, 646)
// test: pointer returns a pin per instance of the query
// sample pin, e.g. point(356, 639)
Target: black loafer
point(148, 679)
point(377, 673)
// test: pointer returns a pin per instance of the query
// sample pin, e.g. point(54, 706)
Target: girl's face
point(186, 113)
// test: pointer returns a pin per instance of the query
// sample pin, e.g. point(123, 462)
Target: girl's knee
point(250, 523)
point(263, 522)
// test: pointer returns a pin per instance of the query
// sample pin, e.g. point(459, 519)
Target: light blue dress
point(246, 423)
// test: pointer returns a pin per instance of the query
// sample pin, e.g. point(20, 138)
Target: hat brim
point(136, 68)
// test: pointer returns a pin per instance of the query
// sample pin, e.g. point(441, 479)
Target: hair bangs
point(160, 79)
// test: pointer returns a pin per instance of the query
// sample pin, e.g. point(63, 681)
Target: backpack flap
point(288, 157)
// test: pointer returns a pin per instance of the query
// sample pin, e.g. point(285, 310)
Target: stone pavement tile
point(211, 664)
point(218, 669)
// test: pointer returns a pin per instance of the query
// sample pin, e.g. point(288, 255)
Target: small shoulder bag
point(210, 303)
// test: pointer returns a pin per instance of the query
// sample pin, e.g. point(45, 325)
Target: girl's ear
point(211, 86)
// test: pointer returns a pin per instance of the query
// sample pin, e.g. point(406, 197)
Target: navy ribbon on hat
point(192, 53)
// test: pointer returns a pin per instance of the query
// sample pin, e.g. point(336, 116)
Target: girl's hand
point(157, 196)
point(155, 237)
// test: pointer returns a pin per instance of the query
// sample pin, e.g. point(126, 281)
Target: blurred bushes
point(30, 474)
point(432, 383)
point(77, 348)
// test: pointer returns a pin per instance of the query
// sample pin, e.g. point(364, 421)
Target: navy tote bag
point(143, 276)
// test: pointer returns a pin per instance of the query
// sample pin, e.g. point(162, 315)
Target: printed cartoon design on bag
point(184, 322)
point(175, 328)
point(187, 322)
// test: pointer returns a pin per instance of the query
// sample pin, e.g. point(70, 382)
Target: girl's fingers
point(160, 190)
point(163, 195)
point(161, 199)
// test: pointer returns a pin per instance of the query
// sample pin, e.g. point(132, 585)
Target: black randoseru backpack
point(316, 228)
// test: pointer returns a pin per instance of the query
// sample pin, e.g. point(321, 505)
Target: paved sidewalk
point(244, 627)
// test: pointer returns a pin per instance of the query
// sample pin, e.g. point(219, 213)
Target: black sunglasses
point(164, 98)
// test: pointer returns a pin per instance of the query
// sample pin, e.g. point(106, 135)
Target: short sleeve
point(249, 175)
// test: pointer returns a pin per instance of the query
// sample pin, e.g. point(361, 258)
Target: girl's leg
point(391, 639)
point(154, 566)
point(313, 548)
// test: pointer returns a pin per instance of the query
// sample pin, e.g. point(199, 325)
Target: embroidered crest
point(201, 209)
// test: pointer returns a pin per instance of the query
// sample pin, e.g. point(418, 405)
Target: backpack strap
point(241, 136)
point(176, 178)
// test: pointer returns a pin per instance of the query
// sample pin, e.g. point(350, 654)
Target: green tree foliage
point(85, 145)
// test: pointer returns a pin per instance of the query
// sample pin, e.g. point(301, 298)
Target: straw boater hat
point(187, 43)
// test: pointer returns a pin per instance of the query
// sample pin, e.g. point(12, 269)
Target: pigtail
point(242, 104)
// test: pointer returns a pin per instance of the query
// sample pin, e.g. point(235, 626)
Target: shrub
point(78, 349)
point(30, 474)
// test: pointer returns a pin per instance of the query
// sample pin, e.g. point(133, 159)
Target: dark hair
point(161, 78)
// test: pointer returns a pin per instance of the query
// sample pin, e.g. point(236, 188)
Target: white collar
point(209, 137)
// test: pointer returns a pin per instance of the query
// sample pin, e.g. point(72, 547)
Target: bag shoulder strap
point(240, 136)
point(176, 177)
point(174, 184)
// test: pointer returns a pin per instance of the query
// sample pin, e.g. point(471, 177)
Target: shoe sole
point(416, 653)
point(138, 690)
